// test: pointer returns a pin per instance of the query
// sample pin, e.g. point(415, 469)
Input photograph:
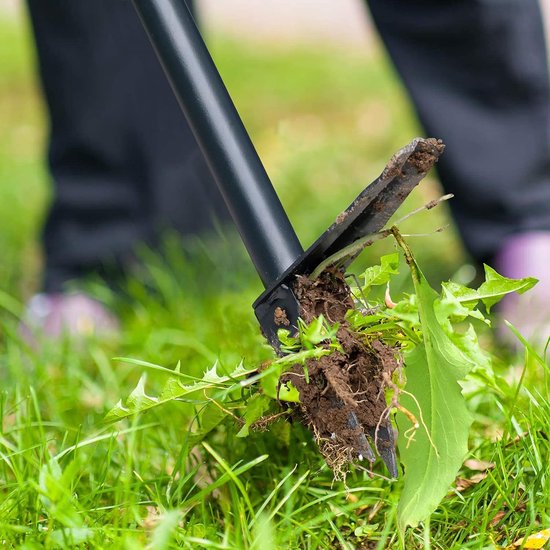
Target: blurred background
point(315, 90)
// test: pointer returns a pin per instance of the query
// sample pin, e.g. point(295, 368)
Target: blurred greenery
point(23, 188)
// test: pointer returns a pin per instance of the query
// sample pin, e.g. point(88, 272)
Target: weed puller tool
point(256, 210)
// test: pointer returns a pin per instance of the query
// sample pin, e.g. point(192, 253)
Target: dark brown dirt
point(344, 382)
point(424, 160)
point(280, 317)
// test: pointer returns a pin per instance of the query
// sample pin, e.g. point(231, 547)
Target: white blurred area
point(338, 22)
point(341, 23)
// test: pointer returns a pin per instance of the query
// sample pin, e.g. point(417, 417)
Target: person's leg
point(477, 71)
point(122, 157)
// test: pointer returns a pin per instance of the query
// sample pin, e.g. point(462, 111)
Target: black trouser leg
point(123, 160)
point(477, 71)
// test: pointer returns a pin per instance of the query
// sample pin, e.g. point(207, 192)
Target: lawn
point(324, 122)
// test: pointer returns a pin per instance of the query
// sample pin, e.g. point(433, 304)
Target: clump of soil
point(344, 400)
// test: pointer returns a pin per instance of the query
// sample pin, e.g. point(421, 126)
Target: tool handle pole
point(253, 203)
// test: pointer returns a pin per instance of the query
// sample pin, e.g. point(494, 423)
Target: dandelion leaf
point(138, 401)
point(496, 286)
point(491, 291)
point(434, 455)
point(380, 274)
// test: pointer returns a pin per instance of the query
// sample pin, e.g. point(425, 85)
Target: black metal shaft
point(253, 203)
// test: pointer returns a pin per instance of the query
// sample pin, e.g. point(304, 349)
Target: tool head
point(366, 215)
point(278, 307)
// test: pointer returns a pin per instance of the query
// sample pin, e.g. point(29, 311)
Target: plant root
point(344, 401)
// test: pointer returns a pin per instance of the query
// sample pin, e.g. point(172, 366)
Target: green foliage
point(310, 336)
point(437, 358)
point(60, 505)
point(379, 274)
point(491, 291)
point(138, 401)
point(107, 484)
point(165, 531)
point(256, 406)
point(434, 452)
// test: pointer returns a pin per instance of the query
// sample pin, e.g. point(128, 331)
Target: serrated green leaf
point(496, 286)
point(449, 308)
point(211, 375)
point(138, 401)
point(466, 296)
point(174, 389)
point(433, 369)
point(491, 291)
point(241, 371)
point(380, 274)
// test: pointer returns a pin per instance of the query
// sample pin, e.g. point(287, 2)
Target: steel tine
point(363, 444)
point(384, 439)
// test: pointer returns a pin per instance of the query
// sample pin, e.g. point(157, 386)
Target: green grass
point(325, 123)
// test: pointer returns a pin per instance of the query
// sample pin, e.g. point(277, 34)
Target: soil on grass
point(348, 381)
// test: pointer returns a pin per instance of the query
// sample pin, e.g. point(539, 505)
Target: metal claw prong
point(384, 439)
point(390, 460)
point(365, 450)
